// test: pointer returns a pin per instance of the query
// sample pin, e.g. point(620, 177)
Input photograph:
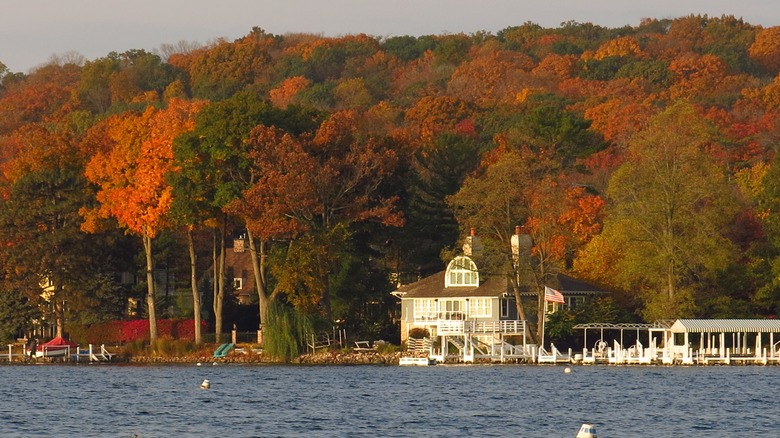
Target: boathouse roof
point(726, 326)
point(656, 326)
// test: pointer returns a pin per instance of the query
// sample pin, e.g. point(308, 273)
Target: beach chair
point(363, 346)
point(223, 350)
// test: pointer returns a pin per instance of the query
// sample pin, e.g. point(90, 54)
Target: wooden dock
point(18, 353)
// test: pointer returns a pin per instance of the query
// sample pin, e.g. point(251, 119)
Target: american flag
point(553, 295)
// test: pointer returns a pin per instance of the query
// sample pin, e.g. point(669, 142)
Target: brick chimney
point(521, 243)
point(472, 246)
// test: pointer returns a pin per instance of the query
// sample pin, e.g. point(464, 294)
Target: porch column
point(586, 338)
point(702, 346)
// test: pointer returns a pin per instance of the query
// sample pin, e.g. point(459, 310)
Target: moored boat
point(587, 431)
point(57, 347)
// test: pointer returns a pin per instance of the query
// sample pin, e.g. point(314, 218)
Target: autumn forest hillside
point(642, 159)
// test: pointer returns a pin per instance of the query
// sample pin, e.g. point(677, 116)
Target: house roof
point(568, 285)
point(433, 287)
point(571, 285)
point(495, 286)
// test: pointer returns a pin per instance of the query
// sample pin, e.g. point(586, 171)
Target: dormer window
point(461, 272)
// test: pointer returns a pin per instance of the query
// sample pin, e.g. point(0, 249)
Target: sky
point(31, 31)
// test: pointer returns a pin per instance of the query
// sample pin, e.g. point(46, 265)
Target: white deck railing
point(448, 327)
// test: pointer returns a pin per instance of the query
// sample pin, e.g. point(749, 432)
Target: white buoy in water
point(587, 431)
point(567, 370)
point(197, 364)
point(205, 385)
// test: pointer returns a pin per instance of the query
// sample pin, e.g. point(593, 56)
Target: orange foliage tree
point(225, 68)
point(283, 95)
point(623, 46)
point(617, 118)
point(697, 76)
point(130, 167)
point(317, 185)
point(432, 115)
point(45, 95)
point(766, 49)
point(491, 78)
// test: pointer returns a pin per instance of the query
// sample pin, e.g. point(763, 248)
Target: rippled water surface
point(387, 401)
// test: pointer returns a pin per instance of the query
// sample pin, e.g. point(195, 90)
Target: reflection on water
point(351, 401)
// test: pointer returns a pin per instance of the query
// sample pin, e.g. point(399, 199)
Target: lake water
point(108, 400)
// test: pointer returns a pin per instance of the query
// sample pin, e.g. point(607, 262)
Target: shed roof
point(726, 326)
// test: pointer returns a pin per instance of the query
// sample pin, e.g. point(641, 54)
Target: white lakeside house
point(468, 315)
point(456, 307)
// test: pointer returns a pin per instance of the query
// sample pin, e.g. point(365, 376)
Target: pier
point(680, 342)
point(19, 353)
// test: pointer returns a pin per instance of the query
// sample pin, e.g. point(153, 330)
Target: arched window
point(461, 272)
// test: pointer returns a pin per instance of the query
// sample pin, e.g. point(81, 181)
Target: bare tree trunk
point(194, 283)
point(59, 317)
point(515, 281)
point(257, 252)
point(150, 289)
point(519, 305)
point(540, 312)
point(520, 259)
point(215, 269)
point(326, 306)
point(541, 302)
point(219, 289)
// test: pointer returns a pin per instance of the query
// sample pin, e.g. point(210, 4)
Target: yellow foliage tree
point(766, 49)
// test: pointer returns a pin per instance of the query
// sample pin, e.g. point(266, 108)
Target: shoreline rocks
point(319, 358)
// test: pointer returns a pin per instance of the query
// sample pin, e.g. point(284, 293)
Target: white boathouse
point(706, 341)
point(684, 341)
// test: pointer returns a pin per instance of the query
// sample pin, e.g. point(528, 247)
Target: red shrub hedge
point(120, 332)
